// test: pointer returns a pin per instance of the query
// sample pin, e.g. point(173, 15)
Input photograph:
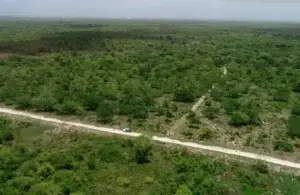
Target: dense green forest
point(147, 74)
point(37, 159)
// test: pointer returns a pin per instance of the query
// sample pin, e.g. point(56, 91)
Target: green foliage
point(211, 111)
point(239, 118)
point(282, 95)
point(45, 188)
point(105, 111)
point(184, 94)
point(69, 107)
point(296, 109)
point(123, 182)
point(183, 190)
point(6, 135)
point(59, 164)
point(23, 102)
point(216, 94)
point(142, 150)
point(44, 104)
point(45, 171)
point(294, 126)
point(283, 146)
point(205, 134)
point(81, 67)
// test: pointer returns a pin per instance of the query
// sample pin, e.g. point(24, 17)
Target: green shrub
point(231, 105)
point(188, 133)
point(6, 135)
point(294, 126)
point(283, 146)
point(69, 181)
point(148, 180)
point(183, 190)
point(123, 181)
point(205, 133)
point(296, 109)
point(22, 183)
point(184, 94)
point(216, 94)
point(70, 107)
point(44, 104)
point(192, 117)
point(45, 188)
point(142, 146)
point(260, 167)
point(211, 112)
point(45, 171)
point(282, 95)
point(239, 119)
point(105, 111)
point(23, 102)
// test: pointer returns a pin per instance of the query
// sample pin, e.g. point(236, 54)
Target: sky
point(268, 10)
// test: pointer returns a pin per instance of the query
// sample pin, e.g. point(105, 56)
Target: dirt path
point(195, 107)
point(217, 149)
point(67, 123)
point(183, 119)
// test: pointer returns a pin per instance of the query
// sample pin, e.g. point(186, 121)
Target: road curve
point(254, 156)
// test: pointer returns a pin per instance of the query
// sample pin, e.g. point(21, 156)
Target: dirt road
point(217, 149)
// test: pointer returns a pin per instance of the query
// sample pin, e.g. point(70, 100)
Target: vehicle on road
point(127, 129)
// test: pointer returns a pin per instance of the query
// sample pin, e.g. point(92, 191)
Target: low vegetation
point(36, 160)
point(148, 74)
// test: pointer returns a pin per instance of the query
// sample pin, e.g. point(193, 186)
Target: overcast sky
point(193, 9)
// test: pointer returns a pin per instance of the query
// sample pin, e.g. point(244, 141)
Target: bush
point(22, 183)
point(123, 181)
point(192, 117)
point(282, 95)
point(184, 94)
point(183, 190)
point(69, 181)
point(294, 126)
point(283, 146)
point(142, 148)
point(211, 112)
point(91, 101)
point(205, 133)
point(45, 170)
point(70, 107)
point(296, 88)
point(23, 102)
point(44, 104)
point(188, 133)
point(239, 119)
point(105, 111)
point(45, 188)
point(231, 105)
point(216, 94)
point(6, 135)
point(296, 109)
point(148, 180)
point(260, 167)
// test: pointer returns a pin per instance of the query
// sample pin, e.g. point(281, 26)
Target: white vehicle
point(127, 129)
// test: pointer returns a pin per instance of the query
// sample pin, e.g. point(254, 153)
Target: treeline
point(78, 163)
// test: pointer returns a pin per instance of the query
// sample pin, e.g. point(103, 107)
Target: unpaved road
point(195, 107)
point(183, 119)
point(217, 149)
